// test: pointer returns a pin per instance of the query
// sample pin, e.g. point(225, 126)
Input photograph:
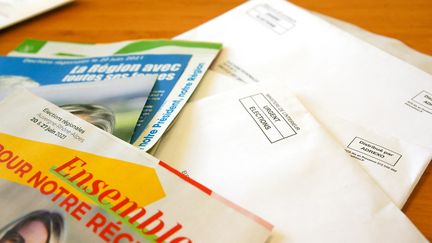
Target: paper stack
point(317, 131)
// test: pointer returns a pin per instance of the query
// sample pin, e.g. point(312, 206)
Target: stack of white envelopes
point(332, 140)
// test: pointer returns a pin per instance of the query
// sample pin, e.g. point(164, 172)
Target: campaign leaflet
point(75, 83)
point(64, 180)
point(163, 104)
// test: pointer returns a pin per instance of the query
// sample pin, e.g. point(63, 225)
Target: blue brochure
point(86, 81)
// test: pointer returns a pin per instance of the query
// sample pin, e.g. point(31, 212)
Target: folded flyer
point(76, 183)
point(164, 103)
point(113, 105)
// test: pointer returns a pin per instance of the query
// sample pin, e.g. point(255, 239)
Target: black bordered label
point(271, 122)
point(374, 151)
point(424, 99)
point(272, 18)
point(422, 102)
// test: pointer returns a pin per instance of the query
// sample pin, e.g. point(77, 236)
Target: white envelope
point(214, 83)
point(261, 148)
point(390, 45)
point(385, 102)
point(13, 11)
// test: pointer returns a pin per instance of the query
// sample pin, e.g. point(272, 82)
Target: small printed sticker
point(272, 18)
point(422, 102)
point(424, 99)
point(374, 151)
point(272, 123)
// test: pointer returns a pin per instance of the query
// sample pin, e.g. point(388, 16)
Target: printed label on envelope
point(271, 18)
point(267, 117)
point(375, 151)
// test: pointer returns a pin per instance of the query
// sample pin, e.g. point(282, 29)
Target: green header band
point(151, 44)
point(30, 46)
point(33, 46)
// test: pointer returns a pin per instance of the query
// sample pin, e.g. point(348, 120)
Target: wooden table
point(115, 20)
